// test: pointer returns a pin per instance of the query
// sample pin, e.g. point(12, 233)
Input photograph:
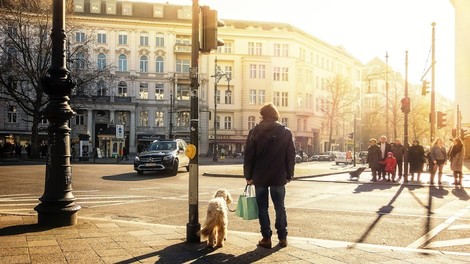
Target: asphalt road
point(328, 207)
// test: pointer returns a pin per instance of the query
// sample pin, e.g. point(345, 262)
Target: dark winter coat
point(269, 154)
point(374, 156)
point(416, 158)
point(398, 151)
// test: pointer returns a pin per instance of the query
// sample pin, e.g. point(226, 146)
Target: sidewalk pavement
point(116, 241)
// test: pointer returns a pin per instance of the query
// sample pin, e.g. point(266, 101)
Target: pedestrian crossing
point(24, 203)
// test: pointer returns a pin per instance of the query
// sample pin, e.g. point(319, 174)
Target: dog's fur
point(215, 227)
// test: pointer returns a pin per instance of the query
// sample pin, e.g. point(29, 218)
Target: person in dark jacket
point(416, 158)
point(374, 157)
point(269, 164)
point(385, 148)
point(456, 156)
point(438, 157)
point(399, 153)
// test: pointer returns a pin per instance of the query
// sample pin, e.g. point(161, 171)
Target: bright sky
point(365, 28)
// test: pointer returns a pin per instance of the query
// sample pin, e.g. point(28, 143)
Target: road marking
point(432, 233)
point(449, 243)
point(459, 227)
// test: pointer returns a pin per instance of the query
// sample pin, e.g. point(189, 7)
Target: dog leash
point(231, 210)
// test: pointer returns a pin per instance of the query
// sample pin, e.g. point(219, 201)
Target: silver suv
point(163, 155)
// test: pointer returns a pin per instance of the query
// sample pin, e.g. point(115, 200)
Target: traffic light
point(209, 29)
point(351, 135)
point(441, 119)
point(405, 105)
point(425, 87)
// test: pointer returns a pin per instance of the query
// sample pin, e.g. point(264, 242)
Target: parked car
point(341, 157)
point(320, 157)
point(332, 154)
point(162, 155)
point(363, 157)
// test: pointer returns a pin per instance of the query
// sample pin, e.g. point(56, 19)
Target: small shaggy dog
point(215, 227)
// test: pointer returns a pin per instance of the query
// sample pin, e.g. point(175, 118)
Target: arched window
point(122, 62)
point(101, 61)
point(122, 88)
point(160, 65)
point(144, 64)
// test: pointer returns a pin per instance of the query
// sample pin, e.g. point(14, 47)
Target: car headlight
point(167, 158)
point(136, 159)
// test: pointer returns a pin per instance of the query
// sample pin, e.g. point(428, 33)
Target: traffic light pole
point(433, 94)
point(193, 226)
point(405, 128)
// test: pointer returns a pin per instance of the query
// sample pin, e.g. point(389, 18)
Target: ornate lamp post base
point(50, 215)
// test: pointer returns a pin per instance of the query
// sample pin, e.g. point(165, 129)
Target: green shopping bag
point(247, 208)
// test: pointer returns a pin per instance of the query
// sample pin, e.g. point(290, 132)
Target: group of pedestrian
point(385, 159)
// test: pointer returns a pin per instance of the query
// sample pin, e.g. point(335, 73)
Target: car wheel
point(139, 172)
point(174, 170)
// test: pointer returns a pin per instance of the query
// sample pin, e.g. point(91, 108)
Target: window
point(144, 91)
point(299, 100)
point(157, 10)
point(144, 64)
point(122, 63)
point(80, 61)
point(160, 65)
point(217, 96)
point(228, 72)
point(80, 37)
point(259, 49)
point(276, 74)
point(227, 47)
point(160, 40)
point(144, 40)
point(252, 96)
point(262, 71)
point(159, 91)
point(228, 122)
point(285, 74)
point(122, 88)
point(159, 119)
point(101, 88)
point(277, 98)
point(101, 38)
point(79, 4)
point(261, 97)
point(12, 114)
point(144, 118)
point(284, 99)
point(95, 6)
point(277, 50)
point(251, 122)
point(285, 50)
point(182, 119)
point(217, 122)
point(228, 97)
point(101, 61)
point(80, 119)
point(127, 9)
point(253, 71)
point(122, 118)
point(182, 65)
point(182, 92)
point(284, 121)
point(251, 48)
point(122, 39)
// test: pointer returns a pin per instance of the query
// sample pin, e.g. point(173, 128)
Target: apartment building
point(148, 49)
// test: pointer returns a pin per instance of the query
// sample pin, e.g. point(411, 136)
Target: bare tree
point(338, 104)
point(25, 57)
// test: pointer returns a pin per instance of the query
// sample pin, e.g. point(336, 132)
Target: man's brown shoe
point(265, 242)
point(283, 242)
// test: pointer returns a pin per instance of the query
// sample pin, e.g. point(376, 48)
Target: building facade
point(147, 48)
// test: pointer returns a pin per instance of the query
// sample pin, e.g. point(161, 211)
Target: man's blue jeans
point(278, 194)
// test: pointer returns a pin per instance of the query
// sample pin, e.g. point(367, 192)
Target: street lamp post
point(218, 74)
point(386, 94)
point(57, 206)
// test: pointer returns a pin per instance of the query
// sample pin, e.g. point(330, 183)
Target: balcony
point(182, 48)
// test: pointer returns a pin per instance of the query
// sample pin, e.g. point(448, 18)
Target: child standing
point(390, 165)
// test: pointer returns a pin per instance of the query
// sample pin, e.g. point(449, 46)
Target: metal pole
point(354, 141)
point(386, 94)
point(405, 129)
point(433, 94)
point(193, 226)
point(215, 153)
point(57, 206)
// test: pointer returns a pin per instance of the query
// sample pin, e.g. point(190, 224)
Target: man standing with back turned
point(269, 165)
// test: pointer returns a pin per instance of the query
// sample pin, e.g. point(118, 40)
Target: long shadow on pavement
point(199, 253)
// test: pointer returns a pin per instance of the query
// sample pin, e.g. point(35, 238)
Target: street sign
point(120, 131)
